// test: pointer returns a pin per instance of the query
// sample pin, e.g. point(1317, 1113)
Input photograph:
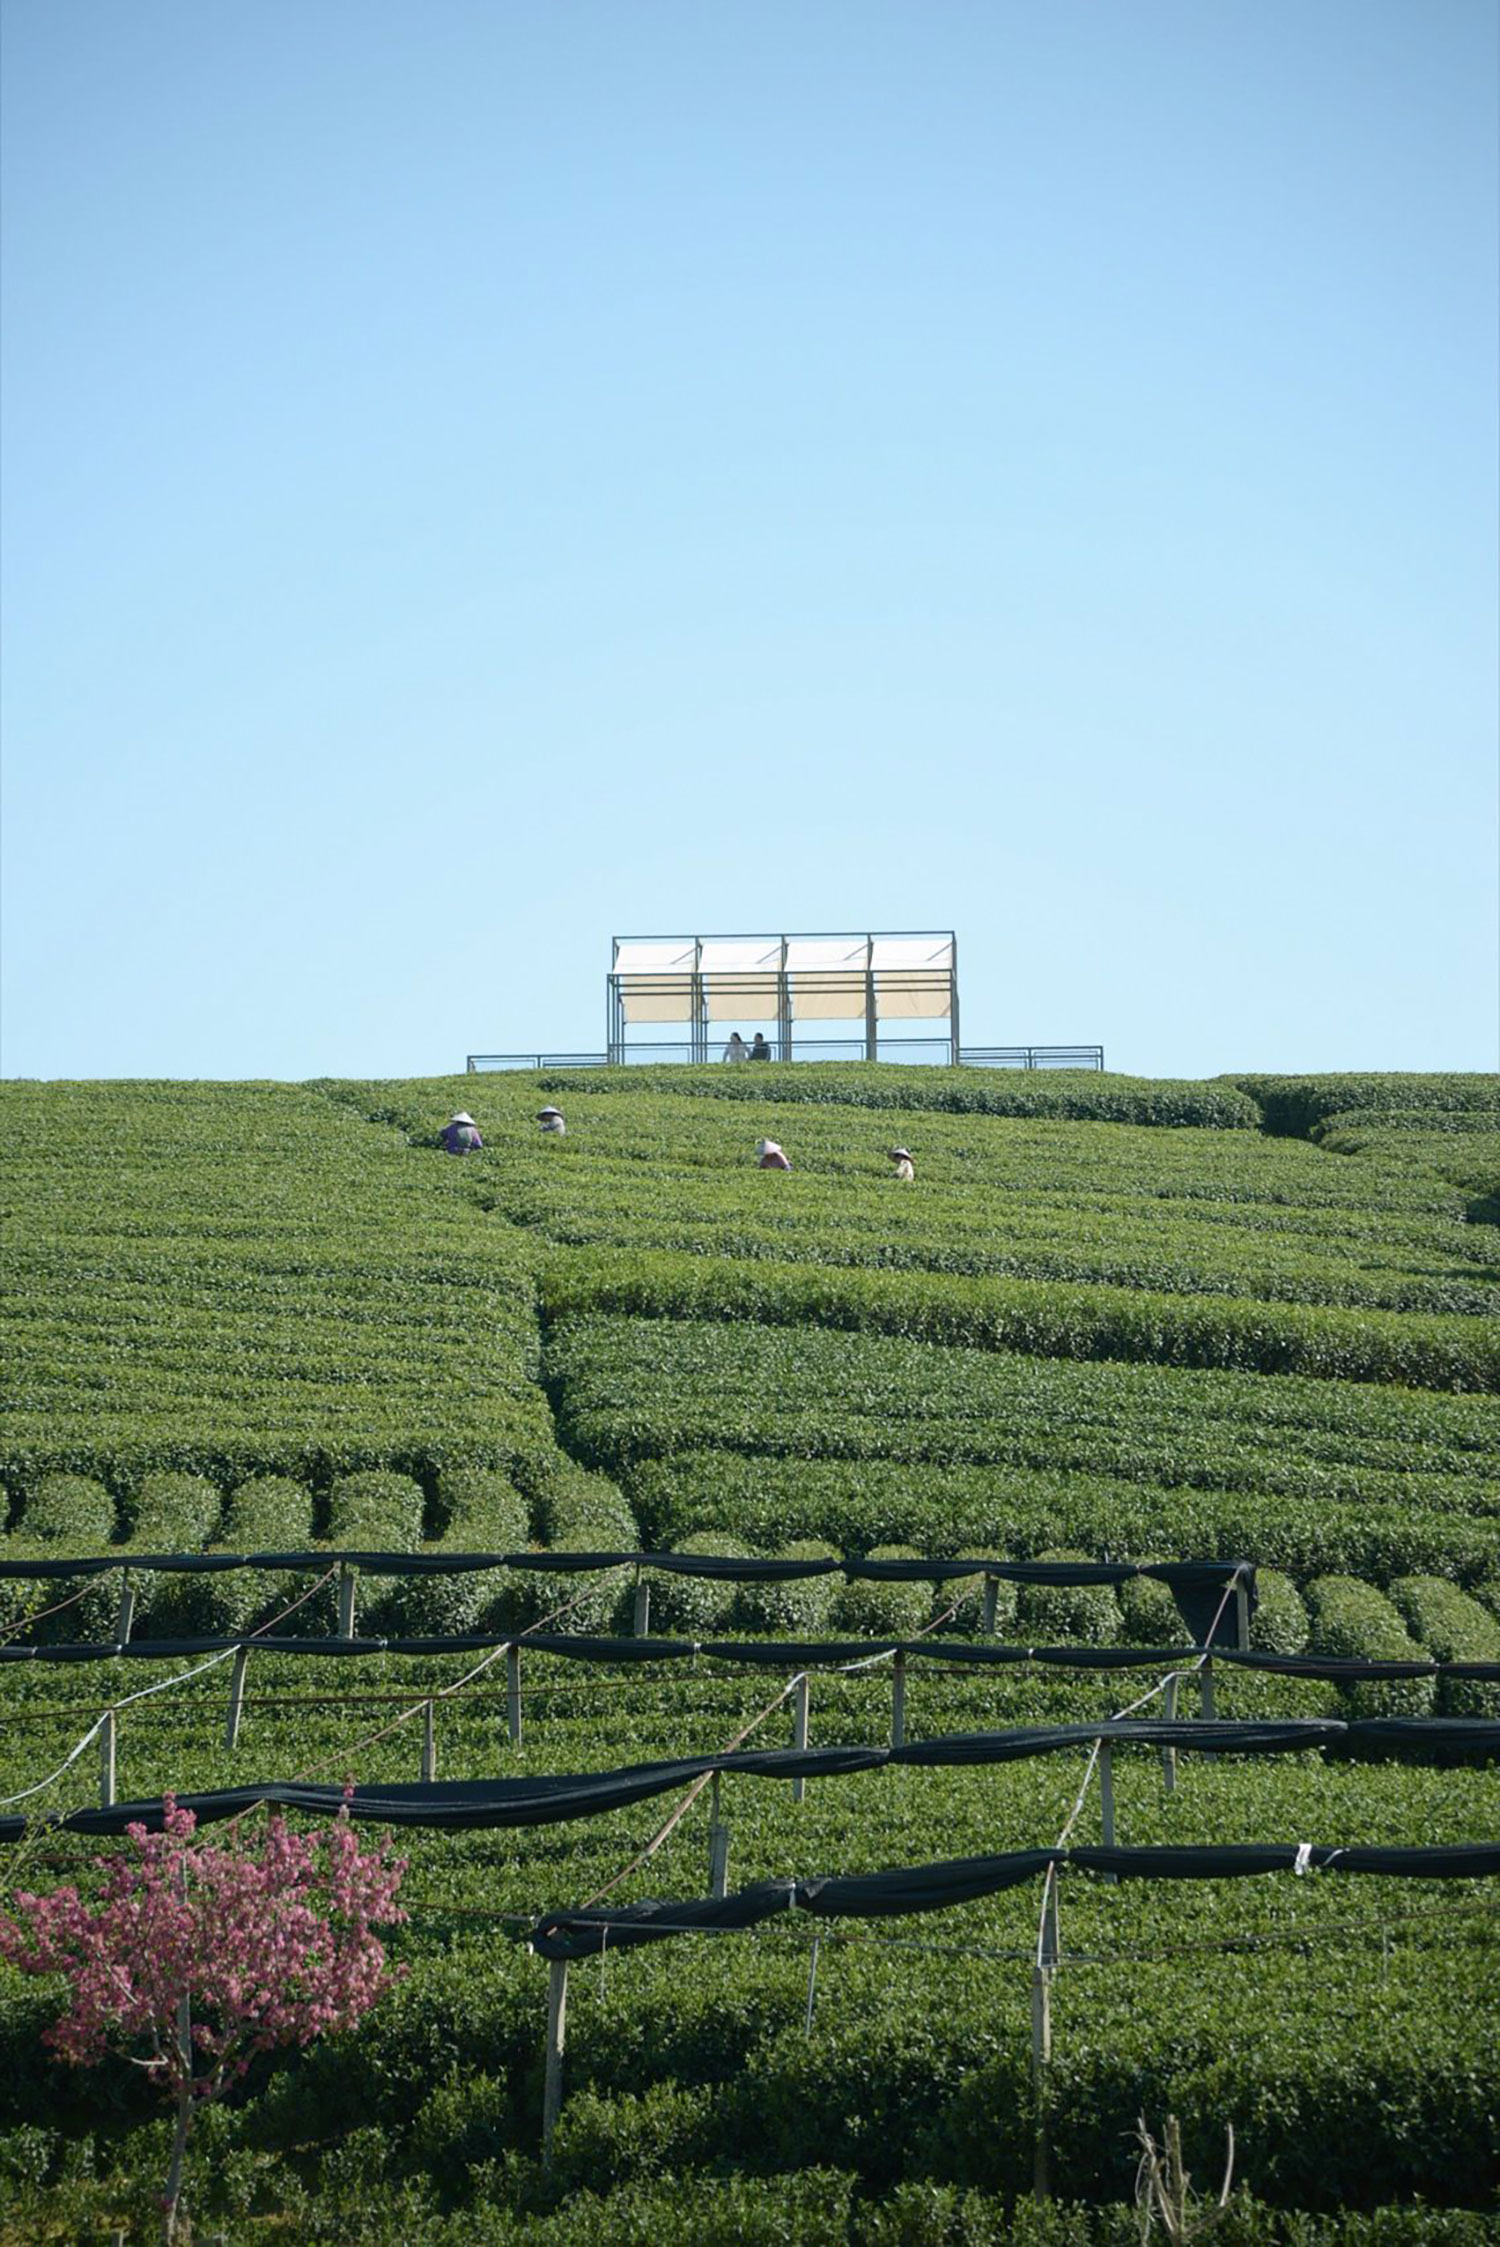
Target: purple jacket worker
point(461, 1135)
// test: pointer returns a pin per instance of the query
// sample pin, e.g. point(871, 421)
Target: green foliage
point(211, 1279)
point(483, 1512)
point(1148, 1613)
point(870, 1609)
point(800, 1608)
point(1064, 1094)
point(1020, 1511)
point(587, 1508)
point(1296, 1106)
point(689, 1606)
point(376, 1511)
point(1058, 1614)
point(246, 1282)
point(1352, 1621)
point(1037, 1317)
point(1279, 1624)
point(172, 1513)
point(633, 1389)
point(1453, 1628)
point(267, 1513)
point(71, 1511)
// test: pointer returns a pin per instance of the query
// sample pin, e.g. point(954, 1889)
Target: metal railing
point(1032, 1057)
point(932, 1051)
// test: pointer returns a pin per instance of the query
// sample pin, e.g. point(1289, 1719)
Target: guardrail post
point(799, 1730)
point(557, 2036)
point(643, 1607)
point(125, 1614)
point(346, 1600)
point(429, 1742)
point(513, 1694)
point(236, 1695)
point(107, 1761)
point(718, 1846)
point(1169, 1755)
point(991, 1594)
point(1206, 1690)
point(898, 1702)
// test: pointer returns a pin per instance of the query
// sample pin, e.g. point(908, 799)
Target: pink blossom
point(194, 1959)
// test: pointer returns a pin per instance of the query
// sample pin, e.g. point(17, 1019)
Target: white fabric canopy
point(912, 998)
point(914, 952)
point(827, 952)
point(828, 998)
point(827, 977)
point(665, 998)
point(742, 998)
point(655, 955)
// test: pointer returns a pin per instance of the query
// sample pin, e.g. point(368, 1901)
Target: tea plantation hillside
point(1111, 1320)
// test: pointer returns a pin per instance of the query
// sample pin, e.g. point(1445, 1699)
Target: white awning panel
point(741, 955)
point(826, 952)
point(655, 955)
point(913, 998)
point(742, 998)
point(657, 998)
point(914, 952)
point(828, 998)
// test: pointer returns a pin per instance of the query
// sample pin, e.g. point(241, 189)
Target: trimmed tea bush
point(70, 1510)
point(483, 1513)
point(802, 1608)
point(891, 1610)
point(1352, 1621)
point(1148, 1614)
point(173, 1513)
point(269, 1513)
point(1453, 1628)
point(690, 1606)
point(1088, 1614)
point(1279, 1624)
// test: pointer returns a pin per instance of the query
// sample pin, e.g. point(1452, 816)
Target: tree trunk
point(173, 2189)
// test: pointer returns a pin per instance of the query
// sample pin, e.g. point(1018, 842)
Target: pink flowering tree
point(195, 1958)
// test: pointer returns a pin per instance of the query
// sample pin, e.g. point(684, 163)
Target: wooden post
point(1206, 1690)
point(236, 1695)
point(812, 1986)
point(643, 1609)
point(799, 1730)
point(429, 1742)
point(557, 2035)
point(125, 1615)
point(991, 1594)
point(346, 1601)
point(1242, 1614)
point(107, 1761)
point(1041, 2035)
point(1051, 1939)
point(1169, 1755)
point(1107, 1797)
point(513, 1694)
point(718, 1846)
point(898, 1702)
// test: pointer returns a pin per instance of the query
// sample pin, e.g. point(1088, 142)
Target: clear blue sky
point(479, 476)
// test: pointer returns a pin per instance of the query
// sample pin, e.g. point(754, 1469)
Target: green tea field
point(1112, 1324)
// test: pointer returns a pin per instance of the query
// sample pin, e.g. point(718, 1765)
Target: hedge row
point(1352, 1621)
point(1066, 1095)
point(1295, 1106)
point(1037, 1318)
point(1453, 1628)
